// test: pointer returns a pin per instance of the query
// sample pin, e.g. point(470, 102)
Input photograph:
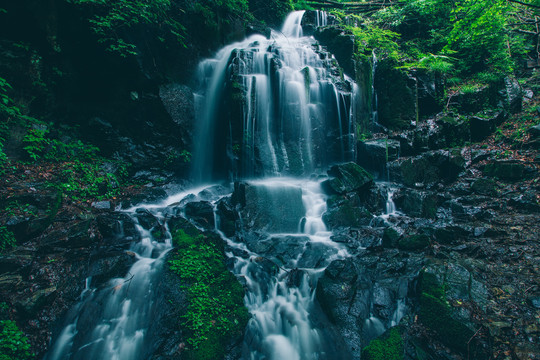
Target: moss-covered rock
point(396, 93)
point(414, 242)
point(388, 346)
point(215, 315)
point(485, 187)
point(436, 313)
point(390, 238)
point(348, 177)
point(505, 170)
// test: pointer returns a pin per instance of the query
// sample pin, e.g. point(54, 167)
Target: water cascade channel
point(273, 112)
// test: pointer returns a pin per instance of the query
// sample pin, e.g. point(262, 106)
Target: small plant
point(7, 239)
point(13, 344)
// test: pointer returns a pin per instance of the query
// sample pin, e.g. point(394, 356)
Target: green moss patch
point(436, 313)
point(13, 344)
point(215, 312)
point(388, 346)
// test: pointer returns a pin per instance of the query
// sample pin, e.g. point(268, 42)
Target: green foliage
point(83, 180)
point(370, 37)
point(13, 344)
point(113, 17)
point(3, 160)
point(7, 239)
point(270, 11)
point(215, 311)
point(478, 35)
point(388, 347)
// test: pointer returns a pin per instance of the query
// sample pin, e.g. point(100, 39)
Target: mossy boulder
point(396, 92)
point(485, 186)
point(213, 315)
point(414, 242)
point(438, 284)
point(390, 238)
point(431, 168)
point(348, 177)
point(346, 212)
point(388, 346)
point(505, 170)
point(417, 203)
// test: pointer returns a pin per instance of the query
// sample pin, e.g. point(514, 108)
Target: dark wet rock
point(526, 202)
point(118, 229)
point(510, 96)
point(428, 168)
point(150, 195)
point(485, 186)
point(361, 295)
point(390, 238)
point(282, 250)
point(534, 301)
point(340, 43)
point(440, 285)
point(146, 219)
point(374, 154)
point(417, 203)
point(347, 178)
point(450, 234)
point(395, 112)
point(483, 125)
point(472, 101)
point(534, 131)
point(316, 255)
point(102, 205)
point(357, 239)
point(202, 213)
point(269, 208)
point(227, 216)
point(108, 265)
point(346, 211)
point(375, 198)
point(414, 242)
point(505, 170)
point(455, 130)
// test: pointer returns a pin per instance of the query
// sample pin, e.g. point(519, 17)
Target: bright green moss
point(215, 312)
point(13, 344)
point(389, 346)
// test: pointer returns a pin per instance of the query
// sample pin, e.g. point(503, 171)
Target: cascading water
point(282, 304)
point(111, 322)
point(267, 107)
point(272, 106)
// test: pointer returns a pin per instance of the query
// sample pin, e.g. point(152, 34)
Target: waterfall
point(110, 322)
point(267, 108)
point(282, 304)
point(276, 106)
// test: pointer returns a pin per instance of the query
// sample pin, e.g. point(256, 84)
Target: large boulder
point(364, 296)
point(346, 211)
point(276, 208)
point(374, 154)
point(428, 169)
point(396, 92)
point(339, 42)
point(348, 177)
point(417, 203)
point(448, 296)
point(505, 170)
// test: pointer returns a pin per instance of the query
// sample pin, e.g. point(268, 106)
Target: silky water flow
point(295, 119)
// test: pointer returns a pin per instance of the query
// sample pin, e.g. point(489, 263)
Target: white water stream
point(290, 103)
